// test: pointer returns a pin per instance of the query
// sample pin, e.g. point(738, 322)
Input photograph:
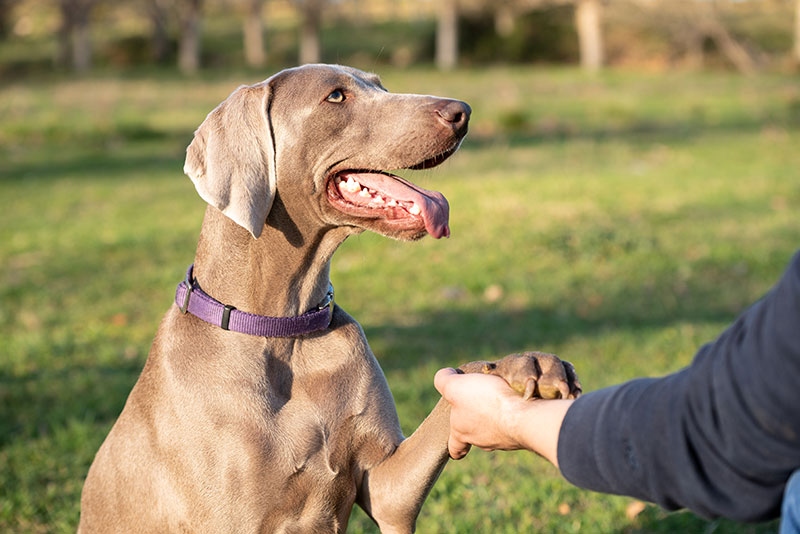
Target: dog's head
point(323, 139)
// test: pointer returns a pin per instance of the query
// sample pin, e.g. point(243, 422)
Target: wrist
point(519, 415)
point(535, 426)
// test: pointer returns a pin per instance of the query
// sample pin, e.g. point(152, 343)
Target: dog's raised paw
point(532, 375)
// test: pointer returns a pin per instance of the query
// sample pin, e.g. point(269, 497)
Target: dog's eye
point(336, 97)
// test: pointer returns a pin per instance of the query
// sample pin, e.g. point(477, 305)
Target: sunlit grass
point(619, 221)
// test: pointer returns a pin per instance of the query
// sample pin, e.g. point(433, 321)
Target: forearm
point(720, 437)
point(537, 426)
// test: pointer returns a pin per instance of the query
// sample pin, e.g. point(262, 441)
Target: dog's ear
point(231, 159)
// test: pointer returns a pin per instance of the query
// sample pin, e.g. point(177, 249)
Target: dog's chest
point(294, 435)
point(327, 426)
point(315, 451)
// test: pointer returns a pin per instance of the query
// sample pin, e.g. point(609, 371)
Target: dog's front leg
point(392, 492)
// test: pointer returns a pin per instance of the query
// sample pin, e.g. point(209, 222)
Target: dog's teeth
point(392, 203)
point(378, 199)
point(351, 185)
point(414, 209)
point(364, 193)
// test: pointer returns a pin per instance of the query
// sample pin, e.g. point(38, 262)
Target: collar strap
point(190, 298)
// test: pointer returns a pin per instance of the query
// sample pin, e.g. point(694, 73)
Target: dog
point(261, 407)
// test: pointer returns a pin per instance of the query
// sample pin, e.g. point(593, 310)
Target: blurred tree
point(74, 37)
point(5, 17)
point(158, 11)
point(190, 14)
point(310, 27)
point(588, 22)
point(504, 18)
point(253, 33)
point(797, 32)
point(447, 35)
point(590, 35)
point(692, 22)
point(251, 12)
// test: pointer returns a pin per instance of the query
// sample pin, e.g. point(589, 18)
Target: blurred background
point(629, 185)
point(79, 35)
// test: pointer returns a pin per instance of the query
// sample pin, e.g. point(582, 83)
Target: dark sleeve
point(720, 437)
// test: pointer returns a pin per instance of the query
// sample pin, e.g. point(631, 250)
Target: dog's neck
point(282, 273)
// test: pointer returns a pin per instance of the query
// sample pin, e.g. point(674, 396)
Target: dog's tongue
point(434, 209)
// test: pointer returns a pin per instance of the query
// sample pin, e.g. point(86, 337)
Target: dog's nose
point(455, 114)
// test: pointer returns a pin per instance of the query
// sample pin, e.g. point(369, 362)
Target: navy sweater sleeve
point(720, 437)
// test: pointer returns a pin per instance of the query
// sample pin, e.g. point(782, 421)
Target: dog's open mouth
point(381, 195)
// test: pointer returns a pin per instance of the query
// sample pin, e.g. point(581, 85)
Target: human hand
point(482, 411)
point(487, 413)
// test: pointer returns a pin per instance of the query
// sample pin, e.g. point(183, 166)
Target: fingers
point(457, 449)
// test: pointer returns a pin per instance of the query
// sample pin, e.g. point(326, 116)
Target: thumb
point(442, 378)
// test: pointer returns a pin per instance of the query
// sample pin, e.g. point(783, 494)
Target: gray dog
point(261, 407)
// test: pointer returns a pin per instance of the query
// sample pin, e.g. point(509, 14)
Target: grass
point(619, 221)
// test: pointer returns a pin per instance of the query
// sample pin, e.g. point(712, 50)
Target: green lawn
point(619, 221)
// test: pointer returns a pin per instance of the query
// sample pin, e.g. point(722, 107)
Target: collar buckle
point(327, 302)
point(189, 281)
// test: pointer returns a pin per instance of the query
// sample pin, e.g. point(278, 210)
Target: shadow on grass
point(39, 403)
point(36, 402)
point(96, 164)
point(455, 337)
point(634, 130)
point(105, 161)
point(716, 293)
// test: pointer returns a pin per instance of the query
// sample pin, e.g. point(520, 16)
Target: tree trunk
point(189, 47)
point(159, 38)
point(797, 32)
point(590, 35)
point(695, 53)
point(74, 36)
point(730, 48)
point(504, 20)
point(5, 18)
point(254, 35)
point(64, 50)
point(81, 43)
point(701, 20)
point(447, 35)
point(309, 32)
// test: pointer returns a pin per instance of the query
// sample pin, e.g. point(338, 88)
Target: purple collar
point(190, 298)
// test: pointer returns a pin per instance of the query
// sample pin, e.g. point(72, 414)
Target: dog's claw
point(530, 389)
point(575, 389)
